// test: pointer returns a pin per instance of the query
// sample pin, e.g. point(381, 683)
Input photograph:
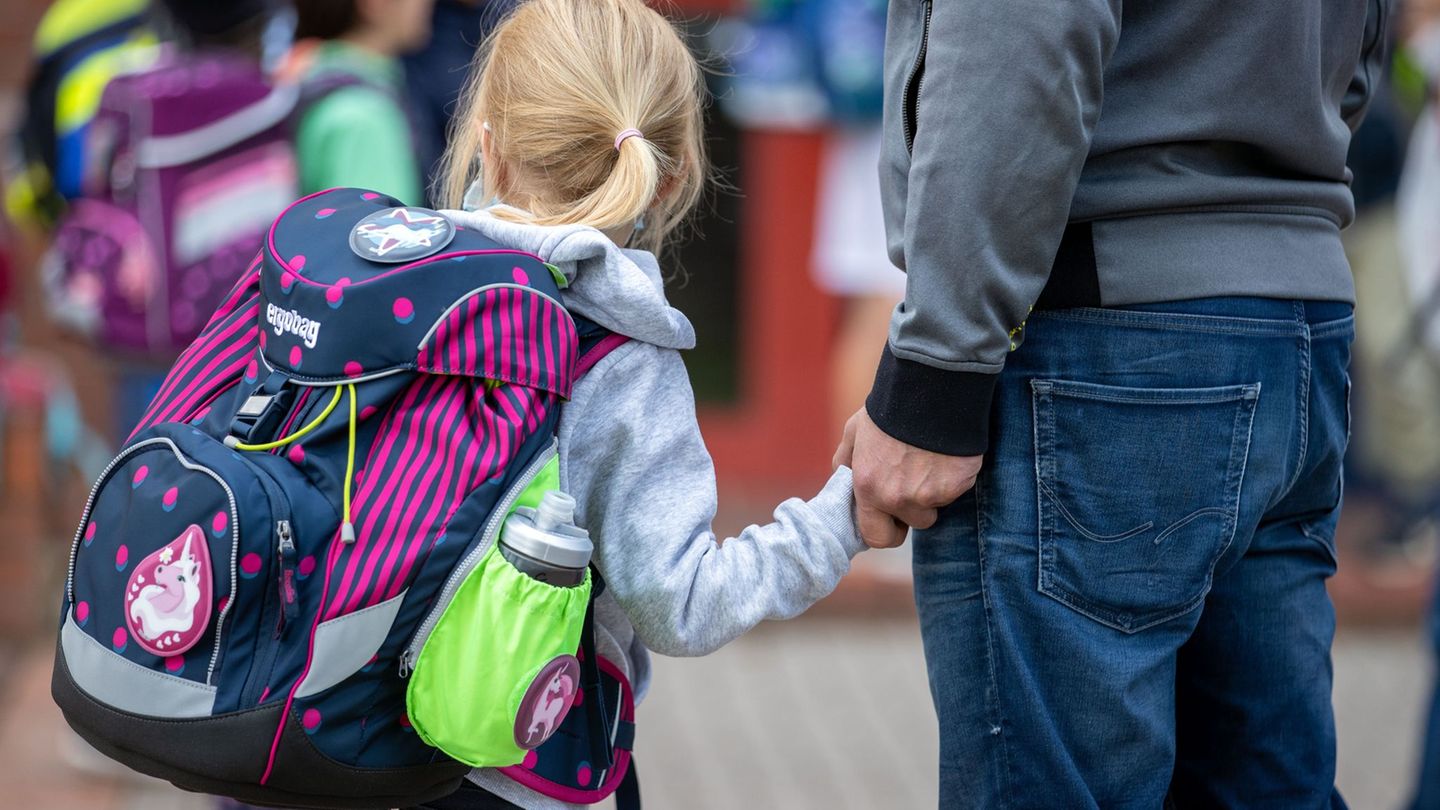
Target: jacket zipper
point(461, 571)
point(914, 83)
point(234, 521)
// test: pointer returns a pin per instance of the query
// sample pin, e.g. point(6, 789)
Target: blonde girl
point(581, 137)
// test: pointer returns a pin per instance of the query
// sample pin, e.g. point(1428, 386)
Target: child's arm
point(638, 468)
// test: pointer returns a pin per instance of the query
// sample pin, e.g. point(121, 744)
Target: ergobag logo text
point(288, 320)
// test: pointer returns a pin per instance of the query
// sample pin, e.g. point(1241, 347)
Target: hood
point(619, 289)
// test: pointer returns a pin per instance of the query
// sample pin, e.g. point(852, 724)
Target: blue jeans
point(1129, 609)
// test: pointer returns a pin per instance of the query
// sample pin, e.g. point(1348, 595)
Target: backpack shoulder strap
point(596, 343)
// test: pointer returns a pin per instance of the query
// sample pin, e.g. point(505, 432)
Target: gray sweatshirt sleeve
point(633, 458)
point(989, 114)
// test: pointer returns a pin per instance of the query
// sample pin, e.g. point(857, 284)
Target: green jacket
point(358, 135)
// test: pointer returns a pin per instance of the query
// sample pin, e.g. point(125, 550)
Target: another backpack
point(191, 161)
point(286, 588)
point(79, 45)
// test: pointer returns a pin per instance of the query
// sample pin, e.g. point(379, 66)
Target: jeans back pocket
point(1139, 490)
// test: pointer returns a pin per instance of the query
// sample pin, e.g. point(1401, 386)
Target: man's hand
point(898, 485)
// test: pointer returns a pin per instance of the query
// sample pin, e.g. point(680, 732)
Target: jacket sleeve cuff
point(931, 408)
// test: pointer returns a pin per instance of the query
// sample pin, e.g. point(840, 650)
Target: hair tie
point(629, 133)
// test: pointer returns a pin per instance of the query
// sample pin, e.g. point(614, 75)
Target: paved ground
point(751, 726)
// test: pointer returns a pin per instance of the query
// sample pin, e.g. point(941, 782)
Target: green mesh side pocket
point(498, 672)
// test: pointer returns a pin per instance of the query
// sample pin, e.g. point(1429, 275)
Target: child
point(353, 126)
point(584, 122)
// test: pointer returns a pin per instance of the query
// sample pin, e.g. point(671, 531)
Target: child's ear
point(668, 187)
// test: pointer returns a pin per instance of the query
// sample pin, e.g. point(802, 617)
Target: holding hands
point(899, 486)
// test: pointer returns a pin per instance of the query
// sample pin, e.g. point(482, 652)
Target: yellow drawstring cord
point(232, 442)
point(347, 528)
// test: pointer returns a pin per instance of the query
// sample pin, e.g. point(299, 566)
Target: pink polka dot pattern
point(250, 565)
point(311, 720)
point(287, 281)
point(296, 454)
point(82, 613)
point(353, 369)
point(122, 557)
point(90, 533)
point(405, 721)
point(263, 338)
point(140, 476)
point(220, 604)
point(368, 411)
point(219, 523)
point(175, 664)
point(252, 371)
point(200, 416)
point(369, 195)
point(583, 774)
point(296, 356)
point(403, 309)
point(298, 261)
point(335, 296)
point(520, 276)
point(172, 495)
point(307, 567)
point(530, 761)
point(324, 212)
point(120, 639)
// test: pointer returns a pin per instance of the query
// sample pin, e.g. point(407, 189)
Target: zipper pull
point(288, 597)
point(406, 665)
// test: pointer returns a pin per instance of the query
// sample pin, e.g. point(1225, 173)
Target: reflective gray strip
point(160, 151)
point(115, 680)
point(344, 645)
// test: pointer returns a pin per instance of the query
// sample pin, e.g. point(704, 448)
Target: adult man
point(1129, 607)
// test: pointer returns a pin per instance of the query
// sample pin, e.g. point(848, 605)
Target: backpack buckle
point(260, 415)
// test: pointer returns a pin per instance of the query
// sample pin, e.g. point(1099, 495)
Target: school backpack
point(286, 588)
point(79, 45)
point(191, 160)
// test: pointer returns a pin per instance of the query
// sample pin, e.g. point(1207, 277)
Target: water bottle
point(545, 544)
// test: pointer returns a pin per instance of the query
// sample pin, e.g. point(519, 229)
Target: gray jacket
point(632, 455)
point(1103, 153)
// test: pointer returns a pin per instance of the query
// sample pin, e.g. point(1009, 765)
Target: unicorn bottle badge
point(169, 598)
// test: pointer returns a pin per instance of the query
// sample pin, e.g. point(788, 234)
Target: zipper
point(273, 609)
point(467, 565)
point(910, 110)
point(135, 449)
point(288, 598)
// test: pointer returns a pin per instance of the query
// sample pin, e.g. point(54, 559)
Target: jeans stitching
point(1146, 396)
point(998, 716)
point(1178, 321)
point(1304, 417)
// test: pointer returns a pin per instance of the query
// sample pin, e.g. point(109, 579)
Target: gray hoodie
point(632, 455)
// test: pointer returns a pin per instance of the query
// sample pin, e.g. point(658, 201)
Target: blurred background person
point(78, 46)
point(354, 125)
point(186, 161)
point(849, 259)
point(435, 74)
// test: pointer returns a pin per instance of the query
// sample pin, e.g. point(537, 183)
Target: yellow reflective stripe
point(78, 97)
point(69, 20)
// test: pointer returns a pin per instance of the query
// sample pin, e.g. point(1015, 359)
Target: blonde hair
point(556, 83)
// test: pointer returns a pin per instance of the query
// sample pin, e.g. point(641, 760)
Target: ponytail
point(566, 89)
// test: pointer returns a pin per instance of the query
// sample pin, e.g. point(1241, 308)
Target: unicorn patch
point(169, 597)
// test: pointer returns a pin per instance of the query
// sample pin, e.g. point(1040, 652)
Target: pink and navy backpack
point(302, 521)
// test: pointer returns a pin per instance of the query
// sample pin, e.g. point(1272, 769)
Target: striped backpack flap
point(321, 468)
